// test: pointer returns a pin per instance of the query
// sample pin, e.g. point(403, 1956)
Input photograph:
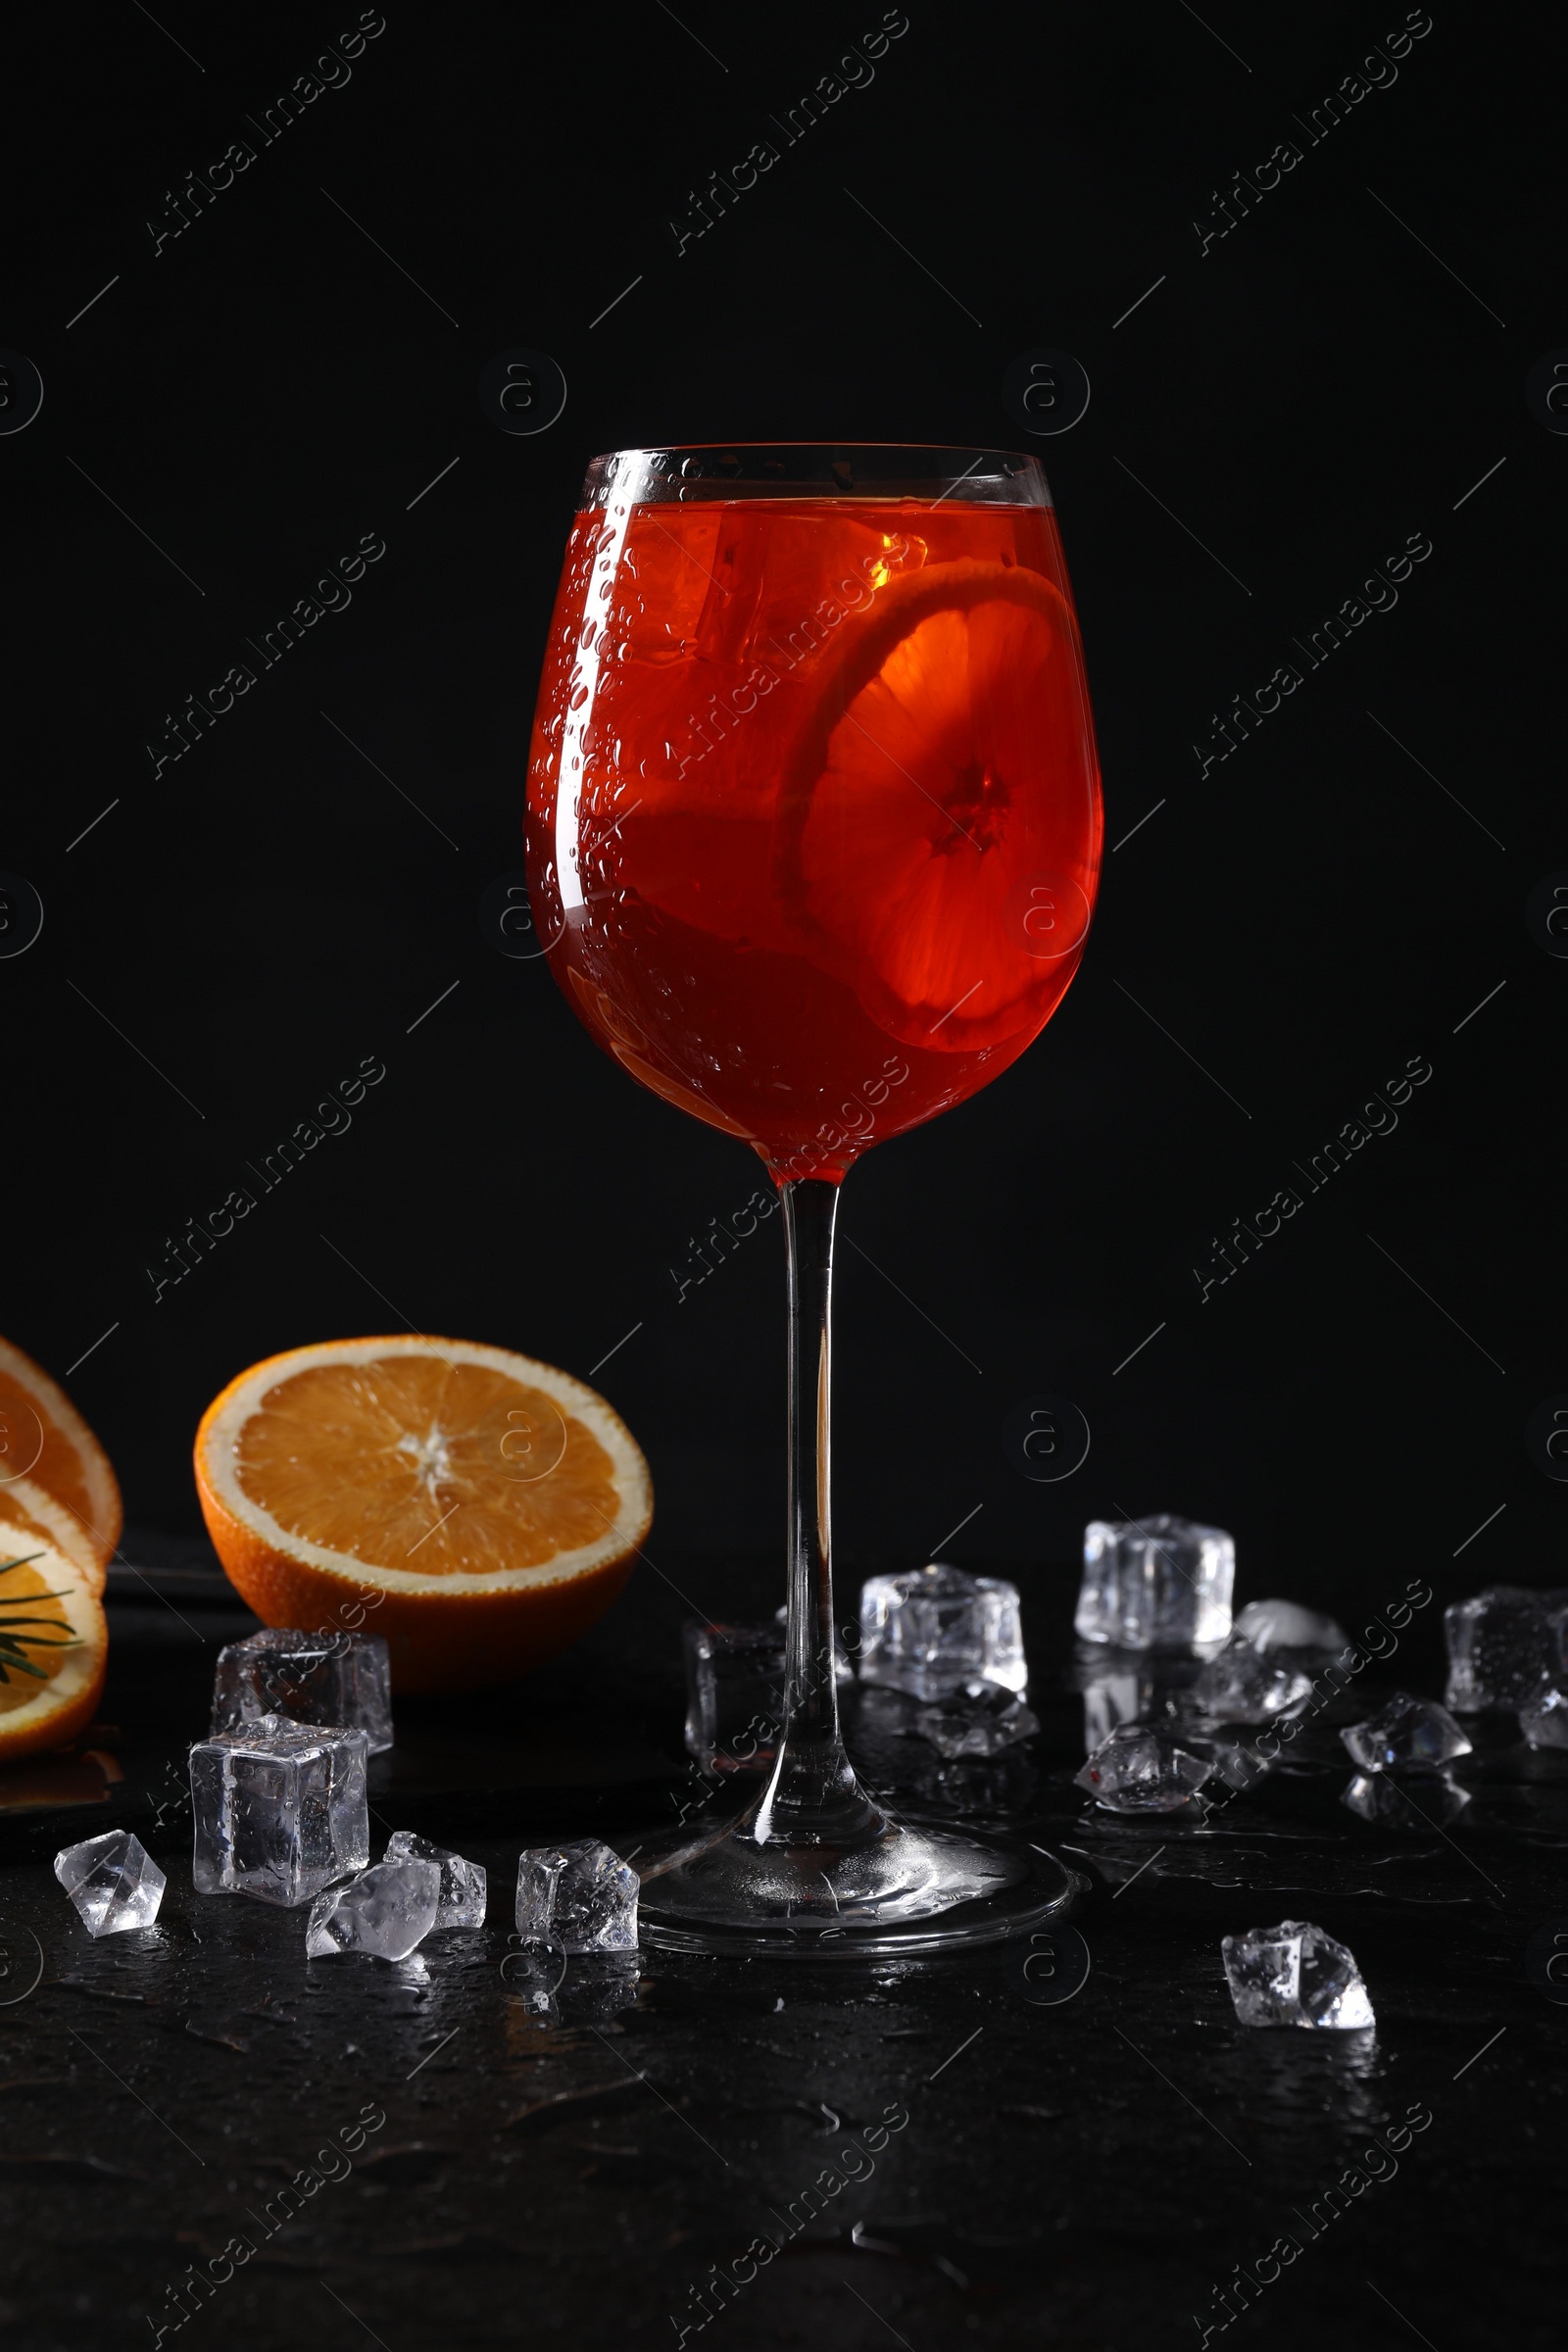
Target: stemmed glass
point(813, 838)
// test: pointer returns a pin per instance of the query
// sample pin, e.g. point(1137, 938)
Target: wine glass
point(813, 837)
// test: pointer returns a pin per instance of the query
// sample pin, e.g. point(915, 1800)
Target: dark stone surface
point(1083, 2174)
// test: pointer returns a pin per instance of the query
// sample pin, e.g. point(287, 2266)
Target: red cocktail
point(823, 858)
point(813, 837)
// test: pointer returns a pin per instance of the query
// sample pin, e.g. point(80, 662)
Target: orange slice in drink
point(938, 837)
point(477, 1509)
point(54, 1646)
point(44, 1436)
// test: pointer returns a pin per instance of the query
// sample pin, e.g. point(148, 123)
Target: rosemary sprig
point(14, 1643)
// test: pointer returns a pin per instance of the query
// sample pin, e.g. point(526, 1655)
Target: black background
point(259, 916)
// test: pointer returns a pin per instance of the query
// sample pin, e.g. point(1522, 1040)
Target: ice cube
point(280, 1809)
point(580, 1893)
point(341, 1679)
point(113, 1883)
point(980, 1720)
point(385, 1911)
point(929, 1630)
point(1545, 1724)
point(1407, 1800)
point(1406, 1731)
point(1132, 1687)
point(1113, 1698)
point(734, 1695)
point(1156, 1584)
point(1143, 1768)
point(1504, 1645)
point(462, 1883)
point(1240, 1685)
point(1294, 1975)
point(1271, 1624)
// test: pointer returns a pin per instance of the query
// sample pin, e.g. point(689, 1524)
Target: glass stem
point(813, 1794)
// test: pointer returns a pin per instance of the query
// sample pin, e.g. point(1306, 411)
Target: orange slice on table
point(28, 1516)
point(43, 1438)
point(938, 831)
point(54, 1646)
point(477, 1509)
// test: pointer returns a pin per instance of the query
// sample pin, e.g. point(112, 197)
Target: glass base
point(901, 1889)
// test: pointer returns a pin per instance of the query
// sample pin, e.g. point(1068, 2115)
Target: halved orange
point(938, 820)
point(28, 1515)
point(44, 1436)
point(477, 1509)
point(54, 1647)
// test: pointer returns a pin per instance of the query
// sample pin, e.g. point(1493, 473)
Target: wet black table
point(207, 2141)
